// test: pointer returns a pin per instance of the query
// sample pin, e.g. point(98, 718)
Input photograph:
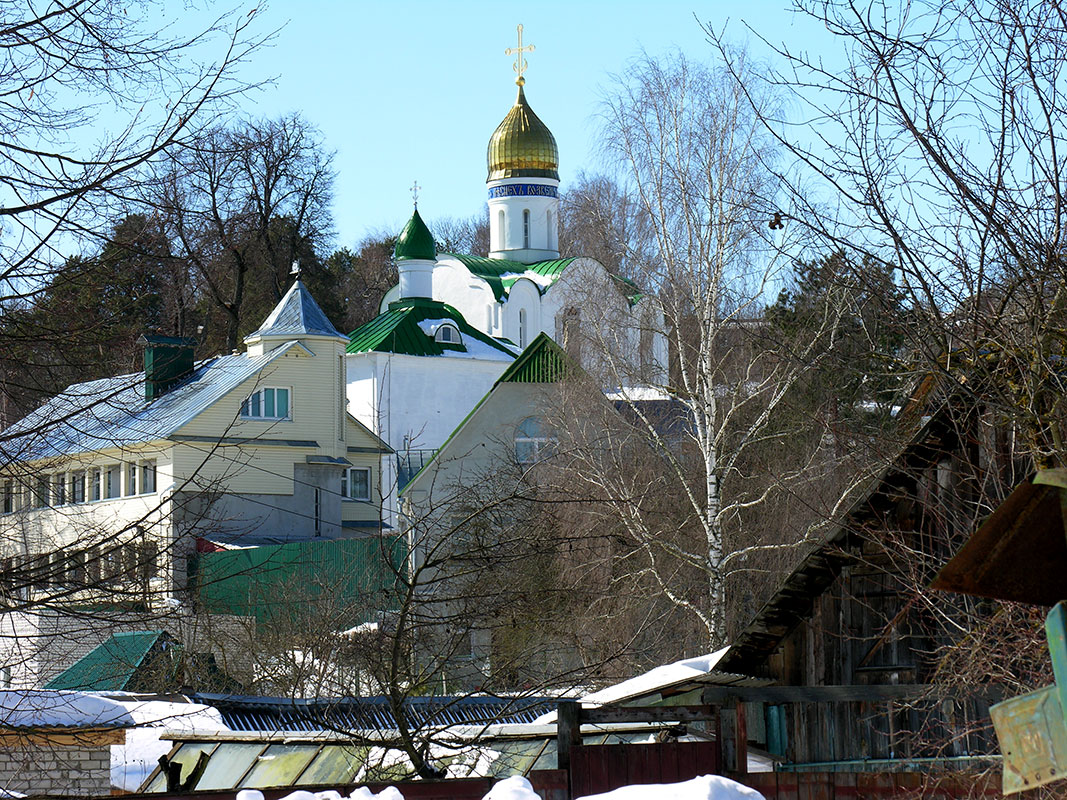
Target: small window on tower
point(526, 227)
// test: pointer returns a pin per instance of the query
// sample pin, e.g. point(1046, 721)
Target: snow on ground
point(705, 787)
point(360, 793)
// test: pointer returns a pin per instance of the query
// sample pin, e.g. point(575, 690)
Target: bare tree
point(242, 204)
point(696, 164)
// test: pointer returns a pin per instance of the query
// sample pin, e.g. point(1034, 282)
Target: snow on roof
point(657, 679)
point(639, 394)
point(39, 708)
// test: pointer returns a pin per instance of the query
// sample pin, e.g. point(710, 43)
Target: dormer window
point(448, 334)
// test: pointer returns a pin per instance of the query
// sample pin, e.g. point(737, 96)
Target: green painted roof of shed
point(415, 241)
point(502, 274)
point(398, 331)
point(111, 666)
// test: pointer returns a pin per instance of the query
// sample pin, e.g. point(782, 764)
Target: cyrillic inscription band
point(523, 190)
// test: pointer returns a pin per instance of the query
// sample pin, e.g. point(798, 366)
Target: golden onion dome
point(522, 146)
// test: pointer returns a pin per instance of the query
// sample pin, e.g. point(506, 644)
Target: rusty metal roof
point(1020, 552)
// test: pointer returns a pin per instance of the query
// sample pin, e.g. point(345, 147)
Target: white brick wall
point(60, 770)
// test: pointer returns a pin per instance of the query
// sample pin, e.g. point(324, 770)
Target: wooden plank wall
point(868, 786)
point(603, 767)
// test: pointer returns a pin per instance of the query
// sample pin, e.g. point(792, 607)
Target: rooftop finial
point(520, 63)
point(295, 271)
point(415, 193)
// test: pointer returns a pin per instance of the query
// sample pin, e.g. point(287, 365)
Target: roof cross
point(415, 193)
point(520, 63)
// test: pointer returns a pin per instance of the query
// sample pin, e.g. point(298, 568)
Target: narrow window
point(59, 489)
point(9, 496)
point(526, 228)
point(94, 484)
point(40, 492)
point(522, 328)
point(548, 222)
point(148, 477)
point(131, 479)
point(500, 229)
point(113, 481)
point(318, 512)
point(77, 486)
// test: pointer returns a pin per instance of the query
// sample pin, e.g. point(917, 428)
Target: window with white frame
point(355, 483)
point(113, 481)
point(9, 496)
point(59, 489)
point(526, 227)
point(532, 441)
point(270, 402)
point(148, 477)
point(40, 491)
point(77, 486)
point(94, 484)
point(131, 479)
point(449, 334)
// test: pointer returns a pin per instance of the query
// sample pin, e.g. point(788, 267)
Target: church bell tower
point(523, 181)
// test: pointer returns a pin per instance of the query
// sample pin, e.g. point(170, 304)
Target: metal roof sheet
point(266, 714)
point(297, 314)
point(501, 274)
point(111, 665)
point(113, 412)
point(398, 331)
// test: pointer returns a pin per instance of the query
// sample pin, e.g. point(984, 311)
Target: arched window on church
point(448, 334)
point(500, 229)
point(550, 229)
point(526, 228)
point(522, 329)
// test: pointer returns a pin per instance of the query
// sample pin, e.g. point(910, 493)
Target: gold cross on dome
point(415, 193)
point(520, 63)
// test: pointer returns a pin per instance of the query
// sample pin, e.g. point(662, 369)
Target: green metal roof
point(543, 361)
point(398, 331)
point(112, 665)
point(501, 273)
point(348, 579)
point(415, 241)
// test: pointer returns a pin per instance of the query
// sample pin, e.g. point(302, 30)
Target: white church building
point(455, 322)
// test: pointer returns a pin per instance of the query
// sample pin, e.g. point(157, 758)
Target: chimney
point(167, 359)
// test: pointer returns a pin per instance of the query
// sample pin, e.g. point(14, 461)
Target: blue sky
point(406, 91)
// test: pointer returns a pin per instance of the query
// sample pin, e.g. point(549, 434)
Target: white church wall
point(522, 313)
point(470, 296)
point(417, 401)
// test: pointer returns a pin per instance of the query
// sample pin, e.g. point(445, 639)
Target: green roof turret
point(415, 242)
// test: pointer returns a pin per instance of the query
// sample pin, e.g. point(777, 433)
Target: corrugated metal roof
point(269, 714)
point(111, 665)
point(543, 361)
point(296, 315)
point(398, 331)
point(112, 412)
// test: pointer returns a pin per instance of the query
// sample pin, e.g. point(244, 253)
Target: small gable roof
point(408, 328)
point(297, 314)
point(111, 665)
point(113, 412)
